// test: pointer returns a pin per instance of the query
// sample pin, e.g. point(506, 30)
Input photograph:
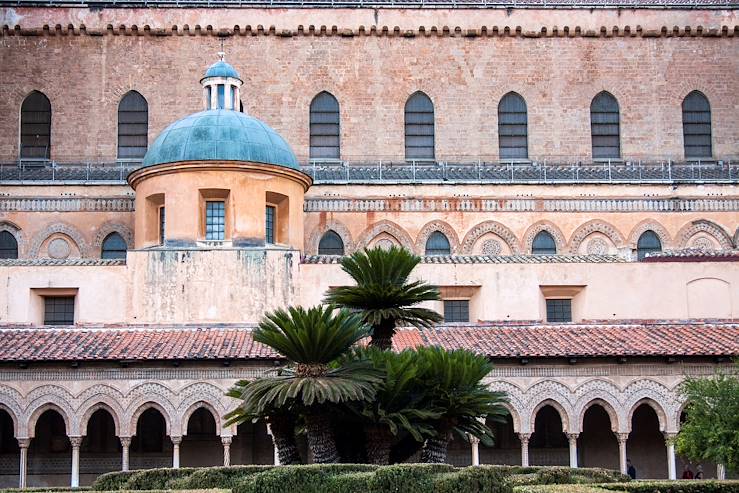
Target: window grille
point(456, 310)
point(604, 127)
point(162, 222)
point(648, 243)
point(331, 244)
point(419, 127)
point(559, 310)
point(36, 127)
point(324, 127)
point(438, 244)
point(133, 126)
point(544, 244)
point(59, 310)
point(8, 245)
point(697, 126)
point(114, 246)
point(215, 220)
point(270, 224)
point(513, 131)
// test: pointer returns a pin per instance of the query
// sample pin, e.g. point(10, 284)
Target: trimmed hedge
point(559, 488)
point(679, 486)
point(47, 489)
point(112, 481)
point(222, 477)
point(472, 479)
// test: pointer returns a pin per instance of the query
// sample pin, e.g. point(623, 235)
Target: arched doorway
point(50, 452)
point(201, 446)
point(548, 445)
point(150, 447)
point(252, 445)
point(507, 446)
point(597, 446)
point(9, 452)
point(100, 451)
point(646, 445)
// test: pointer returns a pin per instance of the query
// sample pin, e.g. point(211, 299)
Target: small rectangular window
point(456, 310)
point(162, 220)
point(59, 310)
point(270, 224)
point(215, 220)
point(559, 310)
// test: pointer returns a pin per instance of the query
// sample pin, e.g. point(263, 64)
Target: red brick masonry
point(235, 343)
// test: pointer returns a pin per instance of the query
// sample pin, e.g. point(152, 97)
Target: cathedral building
point(567, 169)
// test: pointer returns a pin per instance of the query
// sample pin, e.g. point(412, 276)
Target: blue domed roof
point(220, 135)
point(222, 69)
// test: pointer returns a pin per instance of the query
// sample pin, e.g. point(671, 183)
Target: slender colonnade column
point(572, 438)
point(125, 444)
point(622, 439)
point(670, 444)
point(23, 443)
point(524, 437)
point(475, 446)
point(76, 442)
point(226, 441)
point(176, 441)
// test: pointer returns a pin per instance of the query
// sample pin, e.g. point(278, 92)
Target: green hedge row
point(679, 486)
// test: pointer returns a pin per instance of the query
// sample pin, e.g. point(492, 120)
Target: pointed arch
point(563, 414)
point(710, 228)
point(605, 127)
point(331, 244)
point(388, 227)
point(697, 126)
point(481, 229)
point(109, 408)
point(609, 408)
point(645, 225)
point(41, 409)
point(35, 129)
point(133, 421)
point(337, 227)
point(201, 405)
point(551, 229)
point(594, 226)
point(513, 132)
point(658, 409)
point(325, 127)
point(439, 226)
point(63, 228)
point(105, 231)
point(419, 127)
point(133, 126)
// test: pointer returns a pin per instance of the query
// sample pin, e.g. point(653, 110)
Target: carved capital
point(622, 437)
point(572, 437)
point(176, 440)
point(524, 437)
point(474, 440)
point(24, 442)
point(125, 441)
point(75, 441)
point(226, 440)
point(669, 437)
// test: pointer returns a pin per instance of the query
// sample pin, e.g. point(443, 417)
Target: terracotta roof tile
point(151, 343)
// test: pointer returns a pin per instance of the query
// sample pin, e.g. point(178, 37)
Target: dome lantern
point(221, 86)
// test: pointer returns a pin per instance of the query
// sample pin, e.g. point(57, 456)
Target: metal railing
point(389, 171)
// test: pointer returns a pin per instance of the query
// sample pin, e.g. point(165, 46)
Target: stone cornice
point(66, 204)
point(455, 204)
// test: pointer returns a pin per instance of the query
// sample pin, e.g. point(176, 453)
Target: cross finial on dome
point(222, 55)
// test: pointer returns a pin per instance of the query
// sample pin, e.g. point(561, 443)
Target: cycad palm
point(312, 339)
point(383, 294)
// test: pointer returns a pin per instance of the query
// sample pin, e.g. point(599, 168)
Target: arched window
point(324, 127)
point(438, 244)
point(8, 245)
point(697, 126)
point(419, 127)
point(133, 126)
point(331, 244)
point(36, 127)
point(513, 133)
point(648, 243)
point(604, 127)
point(543, 244)
point(114, 246)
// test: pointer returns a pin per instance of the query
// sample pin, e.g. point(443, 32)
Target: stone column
point(125, 444)
point(572, 438)
point(226, 441)
point(176, 441)
point(622, 438)
point(23, 443)
point(475, 446)
point(524, 437)
point(76, 442)
point(670, 444)
point(720, 471)
point(275, 453)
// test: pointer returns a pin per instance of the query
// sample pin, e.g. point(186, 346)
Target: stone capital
point(226, 440)
point(125, 441)
point(669, 436)
point(622, 437)
point(75, 441)
point(176, 440)
point(524, 437)
point(24, 442)
point(572, 436)
point(474, 440)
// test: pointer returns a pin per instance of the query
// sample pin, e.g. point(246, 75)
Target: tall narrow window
point(270, 224)
point(513, 133)
point(324, 127)
point(8, 245)
point(419, 127)
point(162, 221)
point(208, 96)
point(648, 243)
point(543, 244)
point(133, 126)
point(697, 126)
point(234, 102)
point(438, 244)
point(114, 246)
point(36, 127)
point(221, 96)
point(59, 310)
point(215, 220)
point(331, 244)
point(604, 127)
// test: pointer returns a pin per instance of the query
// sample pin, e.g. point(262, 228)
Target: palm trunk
point(321, 440)
point(435, 451)
point(283, 436)
point(382, 335)
point(379, 442)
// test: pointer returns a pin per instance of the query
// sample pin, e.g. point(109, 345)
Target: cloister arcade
point(70, 432)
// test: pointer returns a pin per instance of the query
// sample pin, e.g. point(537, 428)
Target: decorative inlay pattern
point(649, 225)
point(491, 247)
point(388, 227)
point(65, 229)
point(441, 226)
point(551, 228)
point(385, 244)
point(108, 228)
point(489, 227)
point(594, 226)
point(703, 243)
point(597, 246)
point(17, 233)
point(59, 248)
point(336, 226)
point(703, 226)
point(53, 204)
